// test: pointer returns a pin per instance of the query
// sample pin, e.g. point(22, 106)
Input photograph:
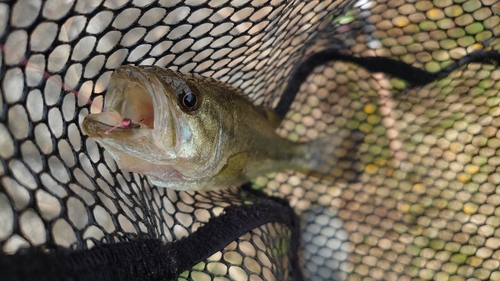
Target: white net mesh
point(423, 204)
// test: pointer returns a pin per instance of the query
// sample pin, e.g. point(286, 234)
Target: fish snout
point(129, 73)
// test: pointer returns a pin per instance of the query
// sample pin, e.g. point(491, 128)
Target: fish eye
point(188, 100)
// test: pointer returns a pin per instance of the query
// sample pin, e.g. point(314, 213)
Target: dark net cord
point(151, 259)
point(414, 76)
point(417, 198)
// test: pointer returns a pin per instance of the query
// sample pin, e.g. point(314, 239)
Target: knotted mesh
point(414, 191)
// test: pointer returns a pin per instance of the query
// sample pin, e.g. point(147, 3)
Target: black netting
point(409, 90)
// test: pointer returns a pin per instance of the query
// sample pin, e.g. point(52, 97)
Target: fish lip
point(97, 128)
point(130, 73)
point(93, 127)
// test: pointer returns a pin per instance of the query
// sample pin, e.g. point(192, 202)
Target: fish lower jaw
point(180, 185)
point(97, 129)
point(153, 171)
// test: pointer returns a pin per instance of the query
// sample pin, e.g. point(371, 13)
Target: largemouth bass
point(189, 132)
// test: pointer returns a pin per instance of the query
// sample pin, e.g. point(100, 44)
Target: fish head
point(163, 124)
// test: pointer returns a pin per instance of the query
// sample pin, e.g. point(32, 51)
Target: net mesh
point(421, 203)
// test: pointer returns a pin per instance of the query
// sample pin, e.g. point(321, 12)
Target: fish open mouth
point(128, 106)
point(137, 106)
point(129, 97)
point(137, 112)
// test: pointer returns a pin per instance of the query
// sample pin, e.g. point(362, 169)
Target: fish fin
point(273, 118)
point(234, 166)
point(336, 156)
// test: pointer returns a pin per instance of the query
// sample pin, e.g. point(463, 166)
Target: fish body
point(189, 132)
